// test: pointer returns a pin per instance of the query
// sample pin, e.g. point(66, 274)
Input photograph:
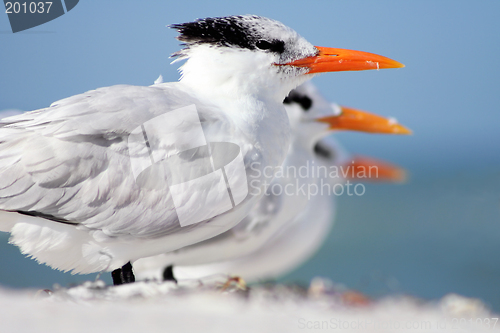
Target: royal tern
point(298, 198)
point(103, 178)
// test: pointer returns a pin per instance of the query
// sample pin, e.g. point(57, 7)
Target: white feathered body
point(70, 164)
point(279, 234)
point(290, 221)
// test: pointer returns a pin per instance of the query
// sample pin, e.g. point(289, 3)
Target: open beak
point(335, 60)
point(357, 120)
point(367, 169)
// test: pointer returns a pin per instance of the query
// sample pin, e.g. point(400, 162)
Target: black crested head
point(247, 31)
point(303, 100)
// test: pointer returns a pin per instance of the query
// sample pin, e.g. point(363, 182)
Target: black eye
point(303, 100)
point(263, 44)
point(277, 46)
point(323, 151)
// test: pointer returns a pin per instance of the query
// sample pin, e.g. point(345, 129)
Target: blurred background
point(436, 234)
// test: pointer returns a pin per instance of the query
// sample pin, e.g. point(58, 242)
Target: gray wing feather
point(70, 161)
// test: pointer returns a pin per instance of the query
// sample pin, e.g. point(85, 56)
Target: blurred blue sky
point(448, 93)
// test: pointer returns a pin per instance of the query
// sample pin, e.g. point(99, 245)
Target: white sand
point(193, 307)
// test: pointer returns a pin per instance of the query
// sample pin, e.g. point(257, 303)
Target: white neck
point(247, 83)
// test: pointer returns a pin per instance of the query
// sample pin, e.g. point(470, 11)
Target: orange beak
point(335, 60)
point(357, 120)
point(367, 169)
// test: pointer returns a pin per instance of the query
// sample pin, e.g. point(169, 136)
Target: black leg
point(123, 275)
point(117, 276)
point(168, 274)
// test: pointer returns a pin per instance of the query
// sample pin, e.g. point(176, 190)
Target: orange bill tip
point(357, 120)
point(368, 169)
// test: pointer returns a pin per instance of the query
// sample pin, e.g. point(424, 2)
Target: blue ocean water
point(437, 234)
